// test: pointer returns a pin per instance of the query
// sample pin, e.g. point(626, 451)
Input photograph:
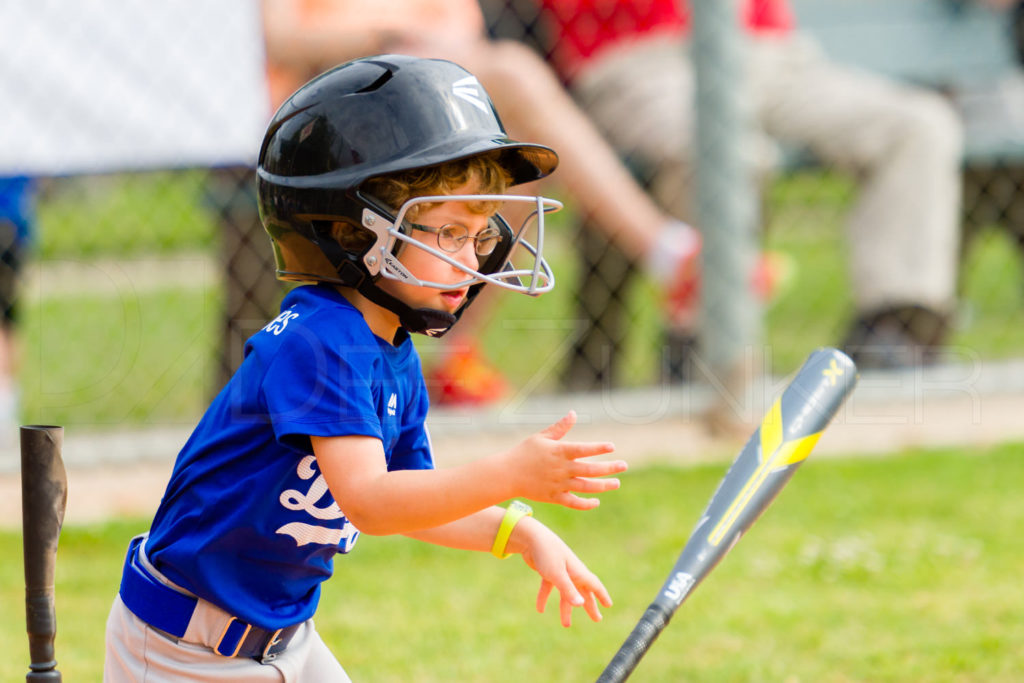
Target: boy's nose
point(467, 255)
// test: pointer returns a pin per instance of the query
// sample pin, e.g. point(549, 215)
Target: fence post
point(726, 198)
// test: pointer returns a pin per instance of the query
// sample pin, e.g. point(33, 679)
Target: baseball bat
point(783, 440)
point(44, 493)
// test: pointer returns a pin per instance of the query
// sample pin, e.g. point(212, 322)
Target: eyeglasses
point(453, 236)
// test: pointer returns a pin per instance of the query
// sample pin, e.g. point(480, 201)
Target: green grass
point(805, 217)
point(149, 356)
point(118, 215)
point(804, 220)
point(904, 568)
point(993, 289)
point(143, 357)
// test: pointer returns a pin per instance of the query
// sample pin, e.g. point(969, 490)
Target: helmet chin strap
point(429, 321)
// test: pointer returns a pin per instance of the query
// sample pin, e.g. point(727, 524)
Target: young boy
point(378, 183)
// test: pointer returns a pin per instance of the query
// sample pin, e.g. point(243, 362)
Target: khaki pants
point(904, 144)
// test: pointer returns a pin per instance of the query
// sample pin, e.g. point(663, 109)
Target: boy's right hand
point(547, 469)
point(560, 569)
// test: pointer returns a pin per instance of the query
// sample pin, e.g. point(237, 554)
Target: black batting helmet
point(371, 117)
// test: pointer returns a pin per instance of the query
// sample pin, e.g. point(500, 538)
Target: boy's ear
point(351, 236)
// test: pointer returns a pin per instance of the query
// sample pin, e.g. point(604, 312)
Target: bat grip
point(636, 644)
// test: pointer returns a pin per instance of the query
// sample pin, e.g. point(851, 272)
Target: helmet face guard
point(497, 268)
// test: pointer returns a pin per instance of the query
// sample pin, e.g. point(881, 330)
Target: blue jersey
point(247, 522)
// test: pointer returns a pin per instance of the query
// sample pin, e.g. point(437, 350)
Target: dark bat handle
point(44, 492)
point(636, 644)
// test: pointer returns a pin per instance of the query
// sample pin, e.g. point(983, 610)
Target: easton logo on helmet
point(468, 89)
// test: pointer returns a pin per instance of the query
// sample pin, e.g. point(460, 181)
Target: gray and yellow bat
point(783, 440)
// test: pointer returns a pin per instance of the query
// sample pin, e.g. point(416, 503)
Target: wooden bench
point(959, 47)
point(969, 52)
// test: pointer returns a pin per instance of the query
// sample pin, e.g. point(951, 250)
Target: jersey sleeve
point(314, 387)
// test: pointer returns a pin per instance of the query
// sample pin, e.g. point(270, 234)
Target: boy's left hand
point(558, 566)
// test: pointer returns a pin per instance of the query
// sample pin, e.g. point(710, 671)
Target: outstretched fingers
point(574, 450)
point(590, 477)
point(553, 469)
point(559, 429)
point(593, 591)
point(586, 469)
point(583, 590)
point(574, 502)
point(582, 485)
point(600, 468)
point(569, 596)
point(570, 500)
point(543, 594)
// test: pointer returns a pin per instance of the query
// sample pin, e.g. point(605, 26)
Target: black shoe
point(894, 338)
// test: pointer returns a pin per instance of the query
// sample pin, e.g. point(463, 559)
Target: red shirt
point(583, 28)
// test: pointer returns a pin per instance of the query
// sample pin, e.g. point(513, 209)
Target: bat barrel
point(786, 436)
point(636, 644)
point(43, 501)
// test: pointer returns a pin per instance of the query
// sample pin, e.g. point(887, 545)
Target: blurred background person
point(17, 220)
point(628, 64)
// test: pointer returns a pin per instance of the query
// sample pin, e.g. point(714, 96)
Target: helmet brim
point(525, 162)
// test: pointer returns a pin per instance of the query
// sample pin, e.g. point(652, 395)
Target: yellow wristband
point(515, 512)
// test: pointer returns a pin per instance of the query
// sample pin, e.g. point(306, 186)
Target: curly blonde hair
point(484, 171)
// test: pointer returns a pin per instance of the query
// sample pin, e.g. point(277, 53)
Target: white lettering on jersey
point(294, 499)
point(308, 533)
point(278, 324)
point(392, 404)
point(468, 90)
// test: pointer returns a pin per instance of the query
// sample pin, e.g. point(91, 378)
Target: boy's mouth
point(454, 297)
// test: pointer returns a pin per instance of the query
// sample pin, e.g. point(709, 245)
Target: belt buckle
point(267, 655)
point(239, 642)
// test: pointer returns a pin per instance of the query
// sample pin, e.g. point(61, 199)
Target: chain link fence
point(835, 276)
point(145, 275)
point(129, 131)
